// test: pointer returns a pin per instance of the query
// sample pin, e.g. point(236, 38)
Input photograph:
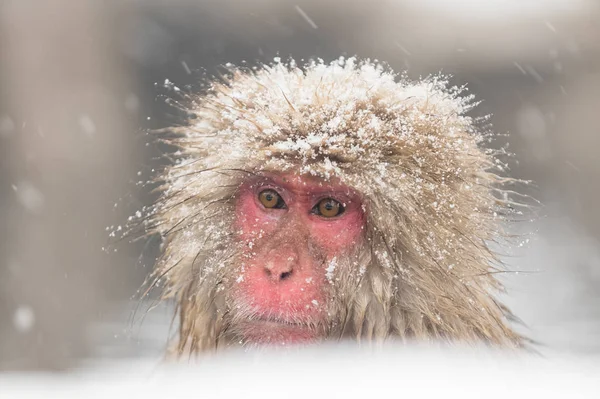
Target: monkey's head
point(326, 202)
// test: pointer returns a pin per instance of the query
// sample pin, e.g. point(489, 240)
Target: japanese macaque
point(327, 202)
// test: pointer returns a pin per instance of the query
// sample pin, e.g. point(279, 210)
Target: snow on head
point(329, 119)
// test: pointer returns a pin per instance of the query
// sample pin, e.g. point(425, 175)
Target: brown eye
point(329, 208)
point(271, 200)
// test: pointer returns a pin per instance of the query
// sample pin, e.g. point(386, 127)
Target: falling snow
point(7, 126)
point(24, 318)
point(87, 125)
point(306, 17)
point(29, 196)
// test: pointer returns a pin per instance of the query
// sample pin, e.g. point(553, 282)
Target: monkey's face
point(295, 232)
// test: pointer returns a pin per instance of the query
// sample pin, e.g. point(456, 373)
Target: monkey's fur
point(425, 270)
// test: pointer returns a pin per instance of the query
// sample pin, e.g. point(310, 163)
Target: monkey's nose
point(279, 270)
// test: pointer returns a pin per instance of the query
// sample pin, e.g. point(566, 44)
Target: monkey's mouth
point(276, 321)
point(276, 331)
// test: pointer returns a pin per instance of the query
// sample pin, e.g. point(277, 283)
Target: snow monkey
point(331, 201)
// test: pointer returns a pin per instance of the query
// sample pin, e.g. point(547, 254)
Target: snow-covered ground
point(324, 372)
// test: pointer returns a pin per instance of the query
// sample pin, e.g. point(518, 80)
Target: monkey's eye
point(328, 208)
point(271, 200)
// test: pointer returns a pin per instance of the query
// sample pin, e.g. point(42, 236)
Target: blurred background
point(81, 80)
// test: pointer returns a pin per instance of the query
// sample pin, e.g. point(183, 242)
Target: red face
point(294, 229)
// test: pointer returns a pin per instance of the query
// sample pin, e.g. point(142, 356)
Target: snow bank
point(323, 372)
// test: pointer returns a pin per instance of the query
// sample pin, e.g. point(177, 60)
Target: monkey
point(331, 201)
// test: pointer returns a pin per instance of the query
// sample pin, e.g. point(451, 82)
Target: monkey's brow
point(305, 189)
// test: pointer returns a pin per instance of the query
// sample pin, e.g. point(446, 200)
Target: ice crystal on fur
point(409, 147)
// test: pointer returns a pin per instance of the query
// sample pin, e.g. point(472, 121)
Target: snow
point(30, 196)
point(87, 125)
point(186, 67)
point(306, 17)
point(323, 372)
point(7, 126)
point(24, 318)
point(330, 269)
